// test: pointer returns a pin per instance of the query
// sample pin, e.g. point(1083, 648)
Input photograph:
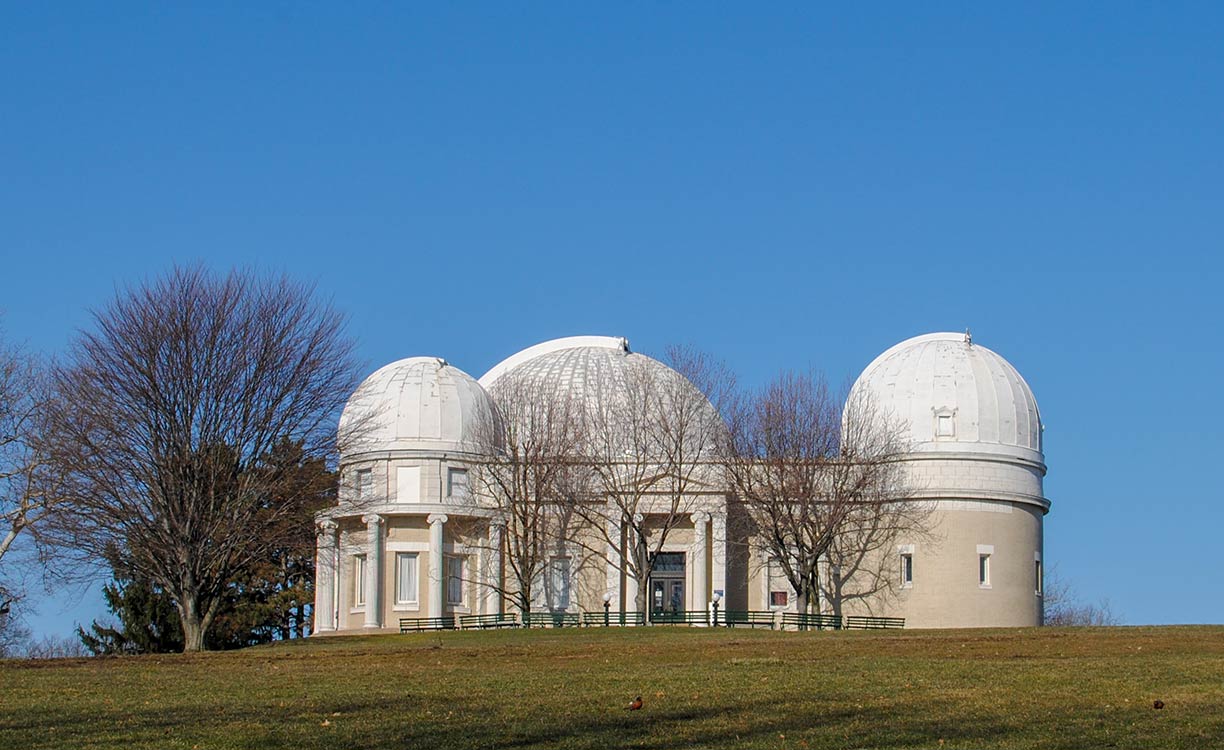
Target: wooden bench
point(620, 619)
point(483, 622)
point(551, 619)
point(810, 621)
point(427, 623)
point(681, 617)
point(752, 618)
point(869, 623)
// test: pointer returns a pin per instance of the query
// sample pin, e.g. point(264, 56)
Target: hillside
point(1049, 688)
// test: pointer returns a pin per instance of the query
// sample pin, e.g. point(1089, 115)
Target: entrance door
point(667, 594)
point(667, 583)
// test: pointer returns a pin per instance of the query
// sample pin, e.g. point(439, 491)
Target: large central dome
point(603, 374)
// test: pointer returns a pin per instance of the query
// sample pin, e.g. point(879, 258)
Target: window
point(560, 583)
point(457, 480)
point(365, 484)
point(778, 585)
point(1038, 583)
point(778, 598)
point(984, 570)
point(907, 570)
point(406, 586)
point(454, 580)
point(408, 484)
point(359, 580)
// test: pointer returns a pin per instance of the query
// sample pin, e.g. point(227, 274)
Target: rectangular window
point(778, 598)
point(454, 580)
point(907, 570)
point(457, 483)
point(359, 580)
point(365, 484)
point(984, 570)
point(408, 484)
point(406, 586)
point(560, 583)
point(1038, 583)
point(944, 426)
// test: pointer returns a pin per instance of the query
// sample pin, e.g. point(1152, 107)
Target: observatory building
point(418, 534)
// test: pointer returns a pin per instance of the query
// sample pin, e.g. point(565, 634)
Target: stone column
point(631, 581)
point(718, 550)
point(701, 586)
point(615, 563)
point(437, 576)
point(327, 542)
point(373, 572)
point(493, 570)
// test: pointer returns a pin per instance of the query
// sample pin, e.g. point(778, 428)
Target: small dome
point(955, 395)
point(419, 403)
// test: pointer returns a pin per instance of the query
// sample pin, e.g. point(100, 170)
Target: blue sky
point(786, 188)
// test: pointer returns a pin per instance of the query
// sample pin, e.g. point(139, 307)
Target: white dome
point(955, 396)
point(419, 403)
point(598, 371)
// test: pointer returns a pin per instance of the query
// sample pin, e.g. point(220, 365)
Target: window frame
point(447, 561)
point(400, 558)
point(560, 564)
point(451, 473)
point(360, 571)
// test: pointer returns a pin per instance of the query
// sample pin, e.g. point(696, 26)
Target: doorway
point(667, 583)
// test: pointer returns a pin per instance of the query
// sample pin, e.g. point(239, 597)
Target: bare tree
point(1062, 606)
point(169, 412)
point(28, 486)
point(525, 474)
point(651, 454)
point(814, 478)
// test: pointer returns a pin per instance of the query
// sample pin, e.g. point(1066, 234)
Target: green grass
point(1047, 688)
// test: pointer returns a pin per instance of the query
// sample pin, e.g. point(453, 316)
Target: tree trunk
point(643, 597)
point(193, 624)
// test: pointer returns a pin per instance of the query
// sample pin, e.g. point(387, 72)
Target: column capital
point(701, 517)
point(638, 518)
point(371, 519)
point(326, 526)
point(437, 518)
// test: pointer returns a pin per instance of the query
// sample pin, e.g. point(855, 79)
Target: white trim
point(407, 546)
point(985, 549)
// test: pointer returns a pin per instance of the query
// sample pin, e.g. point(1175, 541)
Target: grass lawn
point(1044, 688)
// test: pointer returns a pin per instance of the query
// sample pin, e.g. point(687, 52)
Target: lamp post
point(607, 603)
point(717, 598)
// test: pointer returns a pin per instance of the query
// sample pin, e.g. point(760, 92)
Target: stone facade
point(409, 538)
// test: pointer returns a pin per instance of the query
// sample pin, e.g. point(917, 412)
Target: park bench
point(597, 619)
point(810, 621)
point(868, 623)
point(681, 617)
point(407, 624)
point(751, 618)
point(551, 619)
point(483, 622)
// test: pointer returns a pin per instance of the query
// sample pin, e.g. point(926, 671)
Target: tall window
point(365, 484)
point(359, 580)
point(406, 586)
point(1039, 583)
point(457, 479)
point(560, 582)
point(454, 580)
point(907, 570)
point(984, 570)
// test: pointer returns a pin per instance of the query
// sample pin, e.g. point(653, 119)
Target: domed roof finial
point(968, 337)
